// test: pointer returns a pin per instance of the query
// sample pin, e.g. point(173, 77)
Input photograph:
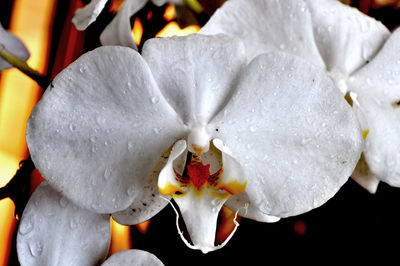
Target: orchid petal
point(377, 86)
point(88, 14)
point(242, 200)
point(232, 178)
point(133, 257)
point(119, 31)
point(295, 136)
point(12, 44)
point(364, 177)
point(99, 129)
point(346, 38)
point(267, 25)
point(148, 201)
point(53, 231)
point(200, 214)
point(167, 182)
point(195, 73)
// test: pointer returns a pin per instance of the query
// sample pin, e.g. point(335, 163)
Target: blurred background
point(353, 226)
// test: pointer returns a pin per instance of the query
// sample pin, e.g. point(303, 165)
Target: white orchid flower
point(118, 32)
point(12, 44)
point(356, 51)
point(54, 231)
point(274, 135)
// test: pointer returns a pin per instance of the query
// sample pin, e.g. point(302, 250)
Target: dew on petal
point(130, 191)
point(73, 224)
point(63, 202)
point(107, 173)
point(36, 248)
point(26, 227)
point(72, 127)
point(155, 100)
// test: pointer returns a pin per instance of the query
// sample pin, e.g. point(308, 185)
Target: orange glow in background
point(120, 237)
point(18, 95)
point(137, 31)
point(172, 28)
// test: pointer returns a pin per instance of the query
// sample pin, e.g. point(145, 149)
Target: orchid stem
point(40, 79)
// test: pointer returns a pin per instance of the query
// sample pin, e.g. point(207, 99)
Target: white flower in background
point(133, 257)
point(273, 134)
point(118, 32)
point(12, 44)
point(357, 52)
point(54, 231)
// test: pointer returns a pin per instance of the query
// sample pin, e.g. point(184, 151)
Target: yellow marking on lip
point(234, 187)
point(169, 189)
point(365, 133)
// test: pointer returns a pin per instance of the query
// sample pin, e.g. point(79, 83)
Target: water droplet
point(73, 224)
point(63, 202)
point(83, 69)
point(129, 84)
point(304, 141)
point(94, 149)
point(330, 28)
point(252, 129)
point(217, 54)
point(130, 191)
point(100, 120)
point(72, 127)
point(157, 130)
point(295, 161)
point(26, 227)
point(107, 173)
point(130, 147)
point(282, 46)
point(215, 202)
point(106, 143)
point(155, 100)
point(36, 248)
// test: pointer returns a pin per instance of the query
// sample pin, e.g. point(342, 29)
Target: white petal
point(101, 128)
point(378, 89)
point(119, 31)
point(195, 73)
point(236, 202)
point(133, 257)
point(267, 25)
point(12, 44)
point(200, 213)
point(88, 14)
point(295, 136)
point(148, 201)
point(364, 177)
point(53, 231)
point(346, 38)
point(167, 182)
point(232, 177)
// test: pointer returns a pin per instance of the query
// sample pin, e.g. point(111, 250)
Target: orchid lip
point(199, 194)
